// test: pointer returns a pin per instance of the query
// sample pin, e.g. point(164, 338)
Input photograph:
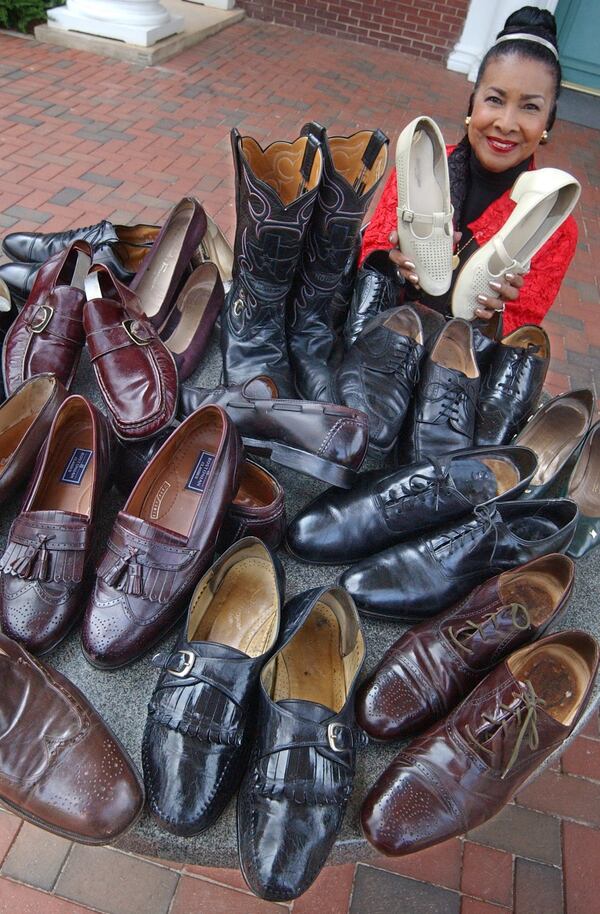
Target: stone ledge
point(200, 22)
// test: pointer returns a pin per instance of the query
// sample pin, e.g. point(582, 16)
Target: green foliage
point(22, 15)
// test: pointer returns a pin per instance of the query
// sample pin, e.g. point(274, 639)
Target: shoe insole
point(554, 437)
point(154, 284)
point(585, 483)
point(67, 480)
point(74, 270)
point(539, 593)
point(311, 667)
point(455, 354)
point(176, 491)
point(480, 480)
point(191, 304)
point(532, 528)
point(559, 677)
point(347, 154)
point(279, 166)
point(521, 242)
point(131, 256)
point(215, 247)
point(242, 613)
point(424, 190)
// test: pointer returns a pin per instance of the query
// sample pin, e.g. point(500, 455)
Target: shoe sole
point(302, 462)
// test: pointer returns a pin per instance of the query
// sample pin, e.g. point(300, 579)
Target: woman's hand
point(505, 290)
point(406, 268)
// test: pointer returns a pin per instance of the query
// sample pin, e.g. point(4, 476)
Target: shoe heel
point(309, 464)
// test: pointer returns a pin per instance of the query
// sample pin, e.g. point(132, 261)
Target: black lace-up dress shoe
point(377, 288)
point(441, 417)
point(512, 386)
point(486, 335)
point(384, 508)
point(293, 798)
point(37, 247)
point(202, 713)
point(417, 579)
point(380, 371)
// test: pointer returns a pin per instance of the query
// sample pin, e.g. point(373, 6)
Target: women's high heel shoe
point(189, 325)
point(583, 488)
point(215, 247)
point(544, 198)
point(424, 209)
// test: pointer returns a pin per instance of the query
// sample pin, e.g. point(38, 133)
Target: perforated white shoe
point(424, 209)
point(544, 199)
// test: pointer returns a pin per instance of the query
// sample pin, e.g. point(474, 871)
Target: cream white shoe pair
point(424, 209)
point(544, 198)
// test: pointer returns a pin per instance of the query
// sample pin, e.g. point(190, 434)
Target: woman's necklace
point(457, 253)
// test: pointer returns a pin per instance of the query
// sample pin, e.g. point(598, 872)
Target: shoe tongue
point(473, 479)
point(309, 710)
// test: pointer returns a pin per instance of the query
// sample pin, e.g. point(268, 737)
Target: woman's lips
point(501, 146)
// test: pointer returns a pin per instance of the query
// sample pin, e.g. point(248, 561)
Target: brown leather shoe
point(435, 664)
point(25, 420)
point(61, 768)
point(320, 439)
point(468, 766)
point(134, 369)
point(45, 566)
point(258, 509)
point(163, 540)
point(48, 336)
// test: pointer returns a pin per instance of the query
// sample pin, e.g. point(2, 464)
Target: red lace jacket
point(548, 267)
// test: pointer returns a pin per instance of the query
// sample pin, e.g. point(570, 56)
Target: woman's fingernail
point(408, 265)
point(483, 299)
point(508, 276)
point(480, 312)
point(496, 285)
point(413, 277)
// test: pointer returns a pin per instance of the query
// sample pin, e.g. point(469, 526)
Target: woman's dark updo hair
point(530, 20)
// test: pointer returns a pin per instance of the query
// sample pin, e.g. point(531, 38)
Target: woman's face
point(510, 111)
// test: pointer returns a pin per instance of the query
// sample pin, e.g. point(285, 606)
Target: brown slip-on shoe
point(61, 767)
point(464, 769)
point(25, 419)
point(48, 336)
point(435, 664)
point(163, 540)
point(135, 371)
point(159, 277)
point(322, 440)
point(186, 333)
point(45, 566)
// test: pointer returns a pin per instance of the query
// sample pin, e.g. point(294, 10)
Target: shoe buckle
point(188, 659)
point(41, 318)
point(408, 215)
point(133, 336)
point(339, 737)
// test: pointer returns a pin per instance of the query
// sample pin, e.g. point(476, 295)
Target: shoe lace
point(470, 628)
point(419, 486)
point(525, 712)
point(405, 361)
point(452, 399)
point(482, 522)
point(516, 367)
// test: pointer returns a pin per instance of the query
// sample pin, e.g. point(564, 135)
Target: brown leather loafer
point(469, 765)
point(134, 369)
point(61, 768)
point(48, 336)
point(320, 439)
point(45, 573)
point(163, 540)
point(25, 420)
point(435, 664)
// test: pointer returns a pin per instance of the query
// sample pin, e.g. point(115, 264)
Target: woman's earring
point(468, 121)
point(544, 138)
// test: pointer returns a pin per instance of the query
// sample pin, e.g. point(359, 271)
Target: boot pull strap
point(313, 128)
point(310, 151)
point(378, 139)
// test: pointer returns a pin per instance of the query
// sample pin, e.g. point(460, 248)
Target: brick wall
point(426, 28)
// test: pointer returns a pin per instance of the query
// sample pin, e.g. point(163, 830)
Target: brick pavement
point(83, 138)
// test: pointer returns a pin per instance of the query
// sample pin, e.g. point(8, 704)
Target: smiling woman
point(510, 113)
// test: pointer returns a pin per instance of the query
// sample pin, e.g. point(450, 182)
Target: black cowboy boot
point(352, 169)
point(276, 189)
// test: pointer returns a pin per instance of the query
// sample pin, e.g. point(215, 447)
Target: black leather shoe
point(584, 489)
point(202, 714)
point(380, 371)
point(416, 580)
point(486, 335)
point(384, 507)
point(441, 417)
point(378, 287)
point(293, 798)
point(511, 388)
point(37, 247)
point(555, 433)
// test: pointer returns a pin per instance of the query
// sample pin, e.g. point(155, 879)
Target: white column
point(141, 22)
point(484, 21)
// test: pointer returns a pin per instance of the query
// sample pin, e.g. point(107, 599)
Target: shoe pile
point(460, 537)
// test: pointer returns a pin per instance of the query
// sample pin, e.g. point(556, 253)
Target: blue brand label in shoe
point(197, 481)
point(75, 469)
